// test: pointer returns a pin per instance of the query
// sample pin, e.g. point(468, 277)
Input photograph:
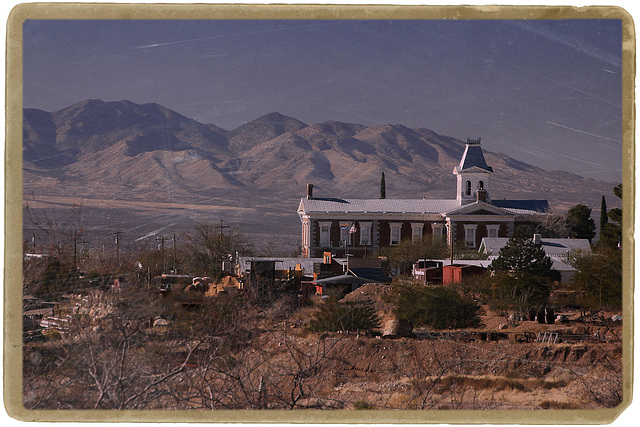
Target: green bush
point(334, 316)
point(437, 307)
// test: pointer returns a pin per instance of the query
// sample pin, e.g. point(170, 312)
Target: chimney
point(309, 191)
point(537, 239)
point(481, 195)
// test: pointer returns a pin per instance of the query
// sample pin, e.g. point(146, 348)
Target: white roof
point(552, 247)
point(283, 263)
point(417, 206)
point(413, 206)
point(557, 264)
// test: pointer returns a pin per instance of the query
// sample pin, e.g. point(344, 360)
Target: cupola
point(472, 174)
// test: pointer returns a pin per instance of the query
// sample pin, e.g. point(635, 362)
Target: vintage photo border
point(13, 205)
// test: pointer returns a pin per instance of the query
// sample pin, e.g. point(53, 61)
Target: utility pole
point(175, 267)
point(162, 239)
point(220, 242)
point(117, 237)
point(75, 249)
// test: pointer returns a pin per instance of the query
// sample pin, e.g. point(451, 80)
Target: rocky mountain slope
point(125, 151)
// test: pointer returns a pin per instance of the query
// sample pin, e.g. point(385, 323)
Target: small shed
point(456, 272)
point(427, 271)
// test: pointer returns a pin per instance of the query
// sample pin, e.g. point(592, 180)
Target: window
point(470, 235)
point(395, 232)
point(365, 233)
point(325, 233)
point(438, 230)
point(416, 231)
point(492, 230)
point(345, 236)
point(481, 185)
point(468, 190)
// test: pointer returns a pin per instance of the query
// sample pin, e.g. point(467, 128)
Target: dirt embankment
point(455, 369)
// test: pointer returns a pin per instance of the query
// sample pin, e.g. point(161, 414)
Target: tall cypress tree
point(604, 218)
point(383, 189)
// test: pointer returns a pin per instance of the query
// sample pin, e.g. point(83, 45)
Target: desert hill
point(121, 151)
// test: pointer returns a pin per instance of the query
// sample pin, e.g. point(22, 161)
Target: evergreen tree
point(523, 273)
point(580, 223)
point(599, 279)
point(522, 254)
point(617, 190)
point(604, 219)
point(383, 187)
point(611, 232)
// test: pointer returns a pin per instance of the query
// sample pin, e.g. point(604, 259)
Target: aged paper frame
point(13, 205)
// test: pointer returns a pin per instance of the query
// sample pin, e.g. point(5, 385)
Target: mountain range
point(132, 157)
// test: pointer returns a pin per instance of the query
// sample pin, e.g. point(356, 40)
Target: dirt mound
point(374, 292)
point(390, 325)
point(228, 283)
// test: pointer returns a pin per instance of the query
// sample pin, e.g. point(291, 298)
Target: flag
point(353, 228)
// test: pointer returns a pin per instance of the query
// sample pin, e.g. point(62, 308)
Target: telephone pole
point(75, 249)
point(117, 237)
point(162, 239)
point(220, 242)
point(175, 265)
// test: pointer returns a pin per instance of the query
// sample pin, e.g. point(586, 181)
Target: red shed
point(455, 273)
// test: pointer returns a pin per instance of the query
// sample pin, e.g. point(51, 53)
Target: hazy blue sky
point(545, 92)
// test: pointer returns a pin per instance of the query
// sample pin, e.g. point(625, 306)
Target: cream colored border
point(13, 204)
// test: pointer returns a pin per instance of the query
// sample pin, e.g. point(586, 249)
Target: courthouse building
point(362, 227)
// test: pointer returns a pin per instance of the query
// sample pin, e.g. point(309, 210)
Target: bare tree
point(208, 245)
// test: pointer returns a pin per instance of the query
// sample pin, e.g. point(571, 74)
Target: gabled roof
point(413, 206)
point(478, 206)
point(557, 264)
point(473, 158)
point(553, 247)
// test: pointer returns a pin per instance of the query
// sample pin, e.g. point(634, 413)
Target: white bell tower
point(472, 174)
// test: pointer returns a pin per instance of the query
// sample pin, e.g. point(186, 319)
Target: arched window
point(481, 185)
point(468, 191)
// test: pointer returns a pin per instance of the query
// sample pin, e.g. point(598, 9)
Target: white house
point(556, 249)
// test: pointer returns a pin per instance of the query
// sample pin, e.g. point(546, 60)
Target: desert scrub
point(334, 316)
point(435, 307)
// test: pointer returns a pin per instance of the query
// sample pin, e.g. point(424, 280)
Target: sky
point(544, 92)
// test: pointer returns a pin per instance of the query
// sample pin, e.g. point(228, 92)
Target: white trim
point(395, 226)
point(437, 230)
point(327, 234)
point(365, 232)
point(495, 228)
point(470, 235)
point(345, 236)
point(416, 231)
